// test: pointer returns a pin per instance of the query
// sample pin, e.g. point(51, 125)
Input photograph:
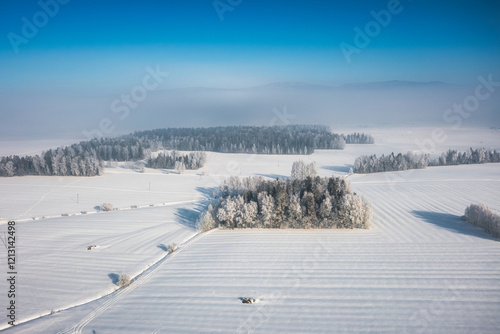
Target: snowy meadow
point(419, 268)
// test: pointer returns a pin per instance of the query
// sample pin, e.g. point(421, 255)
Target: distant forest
point(387, 163)
point(86, 158)
point(291, 139)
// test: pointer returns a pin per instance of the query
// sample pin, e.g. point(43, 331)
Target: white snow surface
point(419, 269)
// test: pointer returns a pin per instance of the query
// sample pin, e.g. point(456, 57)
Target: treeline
point(86, 158)
point(387, 163)
point(82, 159)
point(193, 160)
point(254, 202)
point(477, 156)
point(483, 217)
point(292, 139)
point(61, 162)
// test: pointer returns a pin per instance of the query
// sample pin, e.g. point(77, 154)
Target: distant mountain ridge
point(298, 85)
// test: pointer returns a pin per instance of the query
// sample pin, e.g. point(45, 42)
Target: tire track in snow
point(139, 280)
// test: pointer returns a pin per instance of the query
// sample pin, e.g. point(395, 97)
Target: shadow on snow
point(452, 223)
point(339, 169)
point(187, 216)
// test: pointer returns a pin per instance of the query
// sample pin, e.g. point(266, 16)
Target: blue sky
point(101, 48)
point(110, 42)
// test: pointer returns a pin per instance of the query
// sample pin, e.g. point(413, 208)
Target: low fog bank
point(383, 104)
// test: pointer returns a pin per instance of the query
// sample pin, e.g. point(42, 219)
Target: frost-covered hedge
point(255, 202)
point(391, 162)
point(483, 217)
point(388, 163)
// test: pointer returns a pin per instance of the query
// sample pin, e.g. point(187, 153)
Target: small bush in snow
point(171, 248)
point(107, 207)
point(123, 280)
point(483, 217)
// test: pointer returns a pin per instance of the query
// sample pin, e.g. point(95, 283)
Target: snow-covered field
point(419, 269)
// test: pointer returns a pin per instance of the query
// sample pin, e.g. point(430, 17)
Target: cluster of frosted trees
point(291, 139)
point(483, 217)
point(477, 156)
point(193, 160)
point(387, 163)
point(255, 202)
point(301, 170)
point(58, 162)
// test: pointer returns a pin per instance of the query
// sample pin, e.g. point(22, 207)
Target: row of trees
point(254, 202)
point(387, 163)
point(477, 156)
point(170, 160)
point(52, 162)
point(291, 139)
point(82, 159)
point(483, 217)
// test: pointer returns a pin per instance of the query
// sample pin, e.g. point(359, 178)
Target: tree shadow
point(452, 223)
point(339, 169)
point(274, 176)
point(187, 216)
point(162, 247)
point(207, 192)
point(114, 278)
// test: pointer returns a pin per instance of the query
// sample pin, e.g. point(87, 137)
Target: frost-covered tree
point(266, 206)
point(301, 170)
point(294, 211)
point(249, 212)
point(325, 213)
point(180, 167)
point(227, 212)
point(483, 217)
point(207, 220)
point(123, 280)
point(9, 168)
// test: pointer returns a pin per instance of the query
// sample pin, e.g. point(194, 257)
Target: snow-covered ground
point(419, 269)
